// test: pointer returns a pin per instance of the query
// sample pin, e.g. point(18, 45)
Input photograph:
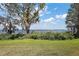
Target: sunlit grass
point(39, 47)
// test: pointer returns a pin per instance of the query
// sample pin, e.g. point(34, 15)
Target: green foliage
point(38, 36)
point(72, 19)
point(48, 36)
point(26, 12)
point(10, 36)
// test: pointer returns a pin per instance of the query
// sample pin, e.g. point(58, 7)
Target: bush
point(15, 36)
point(48, 36)
point(10, 36)
point(38, 35)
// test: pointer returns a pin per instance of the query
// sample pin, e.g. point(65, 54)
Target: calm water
point(20, 31)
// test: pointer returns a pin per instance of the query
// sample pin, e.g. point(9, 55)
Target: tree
point(8, 26)
point(24, 11)
point(8, 21)
point(72, 19)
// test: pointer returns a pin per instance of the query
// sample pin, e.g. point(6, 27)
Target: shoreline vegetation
point(39, 36)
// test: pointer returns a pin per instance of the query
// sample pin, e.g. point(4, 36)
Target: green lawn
point(39, 47)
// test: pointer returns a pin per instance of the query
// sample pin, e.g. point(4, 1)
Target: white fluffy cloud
point(53, 20)
point(49, 20)
point(63, 16)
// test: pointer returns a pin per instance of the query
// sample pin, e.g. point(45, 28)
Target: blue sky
point(52, 16)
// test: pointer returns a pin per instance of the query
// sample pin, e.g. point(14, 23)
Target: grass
point(39, 47)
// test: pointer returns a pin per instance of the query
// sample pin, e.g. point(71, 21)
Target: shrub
point(48, 36)
point(10, 36)
point(57, 36)
point(38, 35)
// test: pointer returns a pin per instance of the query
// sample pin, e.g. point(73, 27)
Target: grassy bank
point(39, 47)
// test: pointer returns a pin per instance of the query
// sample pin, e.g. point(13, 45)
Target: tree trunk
point(77, 34)
point(27, 28)
point(27, 31)
point(9, 31)
point(9, 28)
